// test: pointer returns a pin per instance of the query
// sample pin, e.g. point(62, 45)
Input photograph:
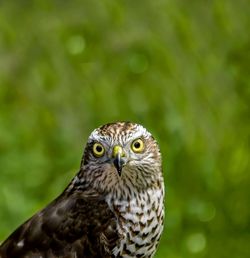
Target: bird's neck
point(124, 187)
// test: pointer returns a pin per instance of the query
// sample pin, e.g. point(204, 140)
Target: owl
point(113, 207)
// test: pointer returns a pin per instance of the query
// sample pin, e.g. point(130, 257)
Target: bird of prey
point(113, 207)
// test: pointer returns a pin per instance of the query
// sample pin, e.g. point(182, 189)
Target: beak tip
point(119, 171)
point(118, 165)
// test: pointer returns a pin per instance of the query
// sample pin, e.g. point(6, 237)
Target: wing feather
point(76, 224)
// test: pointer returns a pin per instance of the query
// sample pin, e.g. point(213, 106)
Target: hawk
point(113, 207)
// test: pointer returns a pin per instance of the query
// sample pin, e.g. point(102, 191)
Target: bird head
point(121, 153)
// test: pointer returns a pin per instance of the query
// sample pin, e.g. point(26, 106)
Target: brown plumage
point(112, 208)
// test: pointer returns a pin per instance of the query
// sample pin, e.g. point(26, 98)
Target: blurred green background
point(180, 68)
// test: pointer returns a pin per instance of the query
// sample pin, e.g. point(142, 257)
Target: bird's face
point(122, 151)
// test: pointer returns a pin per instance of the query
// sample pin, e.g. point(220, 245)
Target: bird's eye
point(137, 146)
point(98, 150)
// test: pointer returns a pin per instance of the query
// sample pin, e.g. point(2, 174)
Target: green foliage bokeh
point(180, 68)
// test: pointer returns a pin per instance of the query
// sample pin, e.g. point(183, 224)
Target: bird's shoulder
point(80, 224)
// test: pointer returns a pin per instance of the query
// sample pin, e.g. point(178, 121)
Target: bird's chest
point(140, 223)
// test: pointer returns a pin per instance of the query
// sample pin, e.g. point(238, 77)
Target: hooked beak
point(118, 156)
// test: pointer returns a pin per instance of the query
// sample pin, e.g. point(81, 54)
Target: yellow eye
point(137, 146)
point(98, 150)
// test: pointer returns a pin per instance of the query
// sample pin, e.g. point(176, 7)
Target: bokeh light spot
point(208, 213)
point(76, 44)
point(205, 211)
point(196, 242)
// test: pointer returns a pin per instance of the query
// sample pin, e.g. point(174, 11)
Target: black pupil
point(137, 145)
point(98, 148)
